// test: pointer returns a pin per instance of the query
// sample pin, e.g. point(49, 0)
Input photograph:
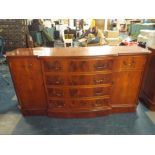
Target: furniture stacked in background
point(100, 23)
point(134, 29)
point(147, 95)
point(68, 37)
point(42, 36)
point(146, 37)
point(112, 38)
point(68, 40)
point(77, 82)
point(14, 31)
point(2, 61)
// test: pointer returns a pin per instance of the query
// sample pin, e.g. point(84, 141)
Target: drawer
point(56, 92)
point(89, 92)
point(89, 79)
point(92, 103)
point(105, 64)
point(53, 65)
point(131, 62)
point(79, 65)
point(57, 104)
point(54, 80)
point(87, 65)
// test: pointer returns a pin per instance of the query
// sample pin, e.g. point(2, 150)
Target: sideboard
point(77, 82)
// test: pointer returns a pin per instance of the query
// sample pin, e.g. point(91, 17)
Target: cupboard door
point(126, 87)
point(28, 81)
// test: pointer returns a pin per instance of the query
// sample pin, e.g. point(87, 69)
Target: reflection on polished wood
point(80, 51)
point(77, 82)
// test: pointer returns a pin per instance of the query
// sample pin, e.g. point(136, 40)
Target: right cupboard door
point(127, 82)
point(126, 88)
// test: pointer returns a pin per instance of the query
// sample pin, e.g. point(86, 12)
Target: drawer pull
point(59, 105)
point(58, 82)
point(99, 93)
point(129, 64)
point(58, 94)
point(99, 81)
point(98, 103)
point(57, 68)
point(101, 67)
point(30, 65)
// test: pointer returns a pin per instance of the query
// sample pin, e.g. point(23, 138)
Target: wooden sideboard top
point(79, 51)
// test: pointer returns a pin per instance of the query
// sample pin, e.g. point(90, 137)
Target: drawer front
point(93, 103)
point(57, 104)
point(100, 65)
point(55, 80)
point(53, 65)
point(102, 79)
point(89, 79)
point(56, 92)
point(79, 65)
point(89, 92)
point(88, 65)
point(131, 62)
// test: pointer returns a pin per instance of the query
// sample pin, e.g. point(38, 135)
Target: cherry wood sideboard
point(77, 82)
point(147, 95)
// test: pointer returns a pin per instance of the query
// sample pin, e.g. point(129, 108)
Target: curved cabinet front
point(81, 87)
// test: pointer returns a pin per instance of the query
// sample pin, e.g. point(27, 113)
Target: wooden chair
point(68, 39)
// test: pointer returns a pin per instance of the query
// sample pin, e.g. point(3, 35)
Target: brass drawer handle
point(98, 93)
point(98, 103)
point(58, 94)
point(57, 68)
point(52, 82)
point(99, 81)
point(58, 82)
point(129, 64)
point(29, 66)
point(59, 105)
point(101, 67)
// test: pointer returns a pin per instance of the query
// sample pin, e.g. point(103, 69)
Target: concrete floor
point(12, 122)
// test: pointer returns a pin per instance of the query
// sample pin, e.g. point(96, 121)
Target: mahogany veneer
point(77, 82)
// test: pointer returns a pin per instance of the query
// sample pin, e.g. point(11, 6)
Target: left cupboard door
point(28, 82)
